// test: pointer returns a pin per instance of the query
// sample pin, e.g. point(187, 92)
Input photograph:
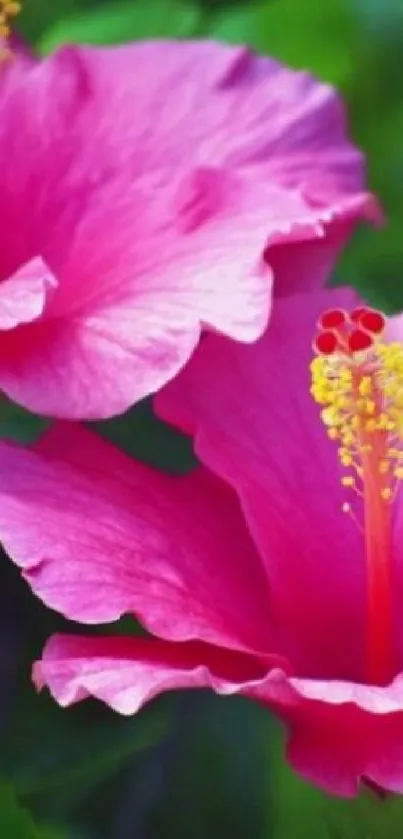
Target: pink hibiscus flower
point(144, 183)
point(272, 571)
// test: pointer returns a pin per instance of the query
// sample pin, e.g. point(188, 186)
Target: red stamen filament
point(380, 652)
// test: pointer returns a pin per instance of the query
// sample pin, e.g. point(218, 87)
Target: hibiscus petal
point(340, 733)
point(24, 295)
point(128, 672)
point(256, 425)
point(309, 266)
point(139, 325)
point(99, 535)
point(157, 227)
point(15, 55)
point(287, 122)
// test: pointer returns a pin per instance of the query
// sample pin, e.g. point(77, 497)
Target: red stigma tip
point(370, 319)
point(325, 343)
point(359, 340)
point(358, 313)
point(332, 319)
point(373, 321)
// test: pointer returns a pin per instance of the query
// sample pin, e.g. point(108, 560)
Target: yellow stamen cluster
point(8, 10)
point(362, 407)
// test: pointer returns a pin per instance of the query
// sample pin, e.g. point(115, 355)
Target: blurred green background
point(197, 767)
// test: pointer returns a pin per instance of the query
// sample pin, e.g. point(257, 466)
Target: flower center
point(8, 10)
point(358, 381)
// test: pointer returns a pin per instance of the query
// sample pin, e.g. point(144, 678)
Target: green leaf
point(373, 262)
point(38, 15)
point(118, 22)
point(15, 821)
point(142, 435)
point(297, 32)
point(383, 18)
point(215, 780)
point(65, 753)
point(19, 425)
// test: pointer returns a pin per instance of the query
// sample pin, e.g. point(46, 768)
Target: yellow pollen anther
point(361, 399)
point(365, 386)
point(8, 9)
point(346, 460)
point(369, 406)
point(330, 416)
point(12, 8)
point(383, 467)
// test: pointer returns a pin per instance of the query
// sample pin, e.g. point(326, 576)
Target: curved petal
point(180, 206)
point(308, 265)
point(125, 673)
point(25, 295)
point(256, 425)
point(286, 122)
point(179, 121)
point(99, 535)
point(340, 733)
point(203, 265)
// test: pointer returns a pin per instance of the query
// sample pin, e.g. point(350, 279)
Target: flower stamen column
point(357, 378)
